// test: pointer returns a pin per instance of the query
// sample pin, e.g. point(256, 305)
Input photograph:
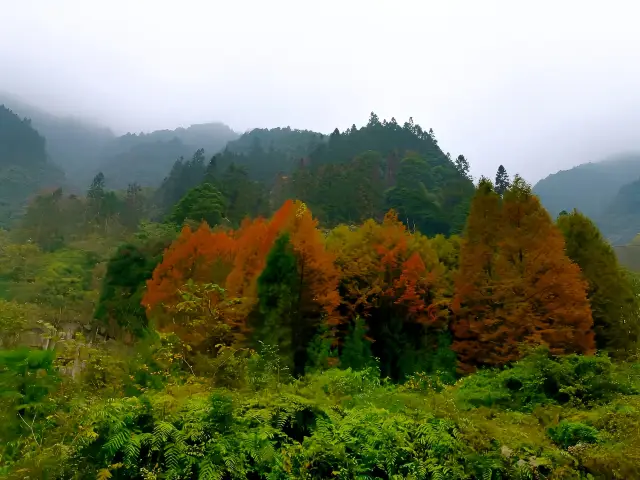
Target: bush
point(540, 379)
point(567, 434)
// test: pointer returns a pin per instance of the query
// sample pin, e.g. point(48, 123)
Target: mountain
point(266, 153)
point(82, 149)
point(24, 165)
point(73, 144)
point(620, 220)
point(146, 158)
point(590, 187)
point(363, 172)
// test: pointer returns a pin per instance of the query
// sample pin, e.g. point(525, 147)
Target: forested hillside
point(146, 158)
point(605, 191)
point(302, 306)
point(24, 165)
point(574, 188)
point(72, 144)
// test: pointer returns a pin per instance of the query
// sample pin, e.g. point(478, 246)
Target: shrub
point(567, 434)
point(540, 379)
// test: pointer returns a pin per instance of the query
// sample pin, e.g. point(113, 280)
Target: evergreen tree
point(502, 181)
point(277, 300)
point(611, 293)
point(462, 165)
point(203, 203)
point(356, 351)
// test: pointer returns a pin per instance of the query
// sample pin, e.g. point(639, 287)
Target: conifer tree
point(611, 294)
point(515, 284)
point(502, 180)
point(278, 318)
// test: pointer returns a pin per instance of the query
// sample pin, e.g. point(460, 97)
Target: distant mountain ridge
point(607, 191)
point(82, 148)
point(24, 165)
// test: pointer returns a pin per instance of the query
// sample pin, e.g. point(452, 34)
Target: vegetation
point(369, 313)
point(612, 205)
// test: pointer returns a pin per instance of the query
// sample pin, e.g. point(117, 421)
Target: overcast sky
point(534, 85)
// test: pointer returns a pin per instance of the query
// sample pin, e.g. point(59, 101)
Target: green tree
point(201, 203)
point(123, 288)
point(614, 302)
point(502, 181)
point(277, 320)
point(356, 351)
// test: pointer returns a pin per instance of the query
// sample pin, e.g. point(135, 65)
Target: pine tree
point(611, 294)
point(502, 181)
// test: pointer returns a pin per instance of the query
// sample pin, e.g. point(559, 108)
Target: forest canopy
point(300, 305)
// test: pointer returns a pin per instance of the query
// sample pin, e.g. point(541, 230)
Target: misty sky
point(534, 85)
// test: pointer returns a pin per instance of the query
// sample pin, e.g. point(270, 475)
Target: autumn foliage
point(393, 279)
point(505, 285)
point(234, 260)
point(515, 285)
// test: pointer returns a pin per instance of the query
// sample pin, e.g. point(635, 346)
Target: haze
point(536, 86)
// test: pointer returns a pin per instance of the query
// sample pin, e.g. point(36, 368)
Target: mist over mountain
point(74, 144)
point(24, 165)
point(608, 191)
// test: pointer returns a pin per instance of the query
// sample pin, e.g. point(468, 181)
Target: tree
point(515, 284)
point(123, 286)
point(613, 300)
point(393, 280)
point(203, 203)
point(278, 319)
point(502, 181)
point(462, 165)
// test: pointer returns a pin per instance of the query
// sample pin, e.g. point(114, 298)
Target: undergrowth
point(543, 418)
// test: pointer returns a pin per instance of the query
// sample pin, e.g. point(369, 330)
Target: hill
point(590, 187)
point(362, 172)
point(265, 153)
point(24, 166)
point(146, 158)
point(73, 144)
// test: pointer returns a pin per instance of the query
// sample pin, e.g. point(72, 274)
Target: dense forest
point(293, 305)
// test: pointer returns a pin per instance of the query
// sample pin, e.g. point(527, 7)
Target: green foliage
point(361, 173)
point(337, 423)
point(265, 153)
point(540, 379)
point(278, 320)
point(201, 203)
point(614, 301)
point(567, 434)
point(243, 197)
point(356, 351)
point(123, 288)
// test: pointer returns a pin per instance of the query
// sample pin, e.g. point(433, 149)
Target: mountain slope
point(147, 158)
point(24, 166)
point(589, 187)
point(72, 144)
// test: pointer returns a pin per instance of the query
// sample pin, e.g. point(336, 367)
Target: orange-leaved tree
point(515, 284)
point(392, 278)
point(297, 290)
point(223, 269)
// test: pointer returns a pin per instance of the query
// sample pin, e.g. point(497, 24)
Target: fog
point(535, 85)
